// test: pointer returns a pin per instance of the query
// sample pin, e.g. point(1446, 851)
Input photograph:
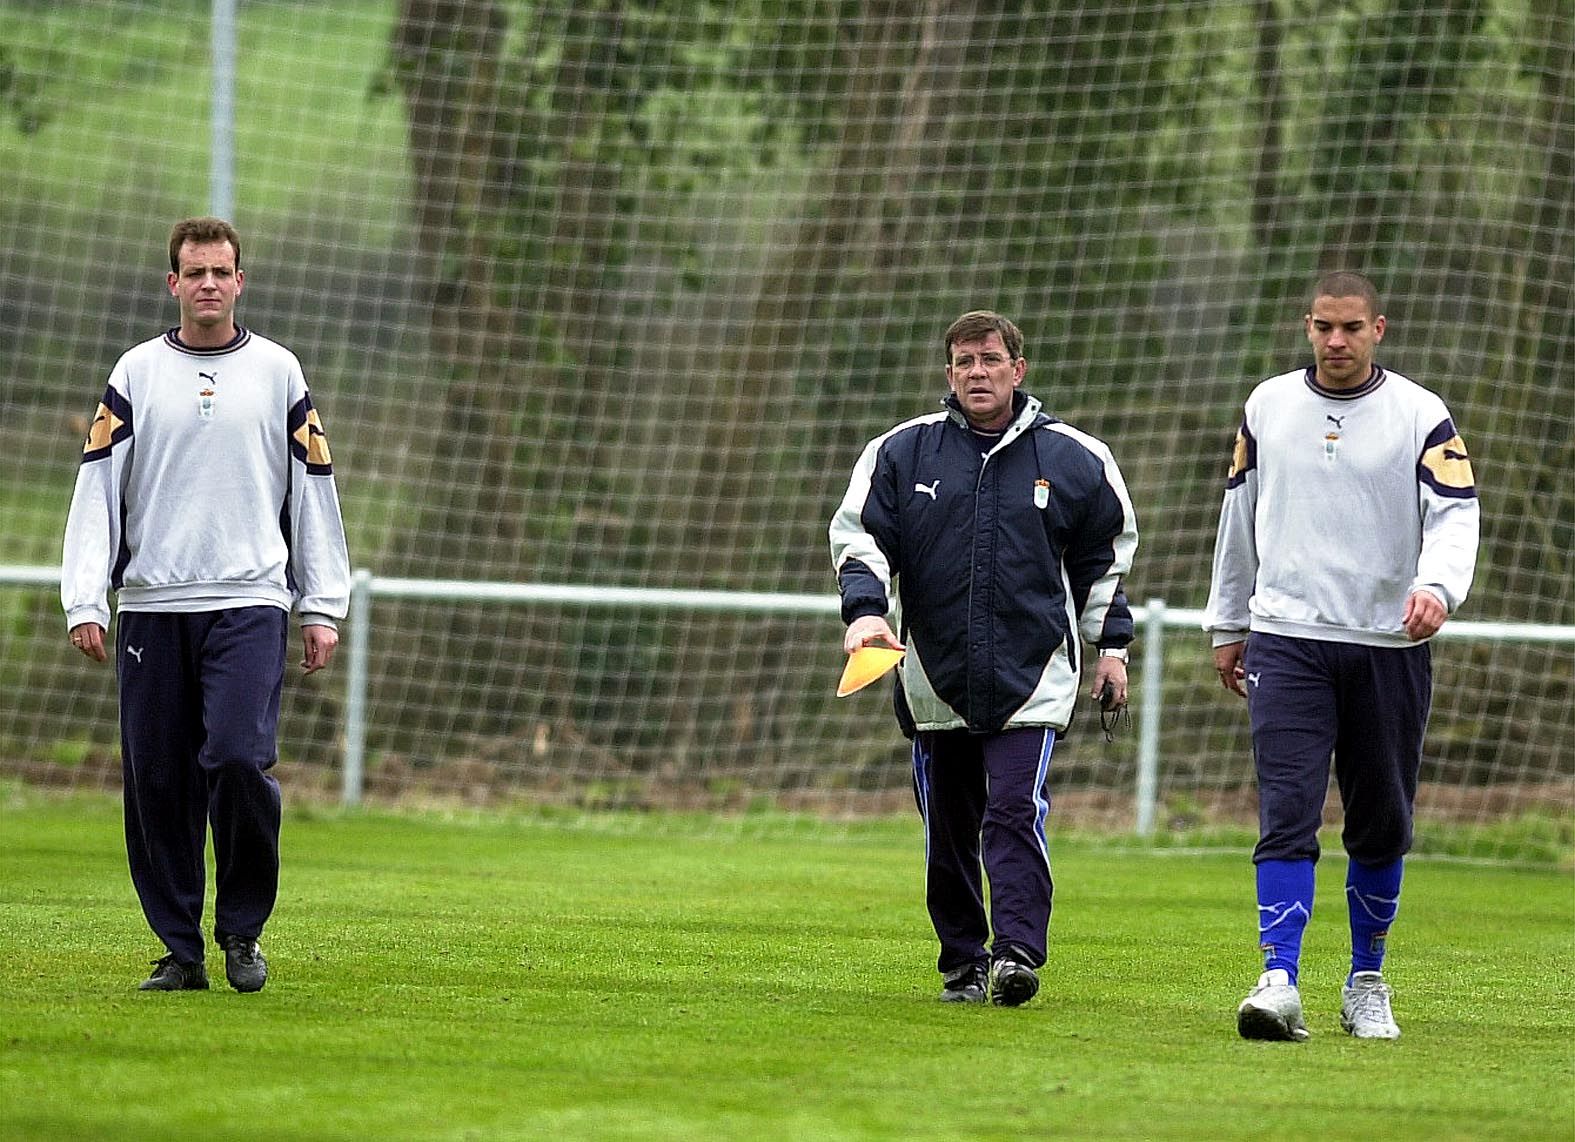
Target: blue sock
point(1372, 893)
point(1285, 900)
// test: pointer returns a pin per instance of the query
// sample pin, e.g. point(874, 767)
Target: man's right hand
point(89, 639)
point(871, 628)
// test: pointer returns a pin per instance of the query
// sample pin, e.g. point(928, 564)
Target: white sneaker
point(1272, 1010)
point(1364, 1007)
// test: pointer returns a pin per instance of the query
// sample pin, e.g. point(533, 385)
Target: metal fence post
point(1151, 711)
point(359, 636)
point(221, 129)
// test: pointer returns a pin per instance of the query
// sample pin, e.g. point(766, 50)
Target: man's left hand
point(1114, 671)
point(319, 642)
point(1424, 614)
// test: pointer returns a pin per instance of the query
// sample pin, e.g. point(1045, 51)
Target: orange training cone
point(865, 665)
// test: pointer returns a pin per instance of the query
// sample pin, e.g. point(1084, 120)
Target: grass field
point(502, 978)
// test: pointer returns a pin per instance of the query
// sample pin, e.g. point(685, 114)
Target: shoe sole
point(1268, 1026)
point(1350, 1029)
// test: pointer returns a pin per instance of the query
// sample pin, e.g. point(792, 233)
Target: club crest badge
point(1041, 494)
point(205, 394)
point(1331, 446)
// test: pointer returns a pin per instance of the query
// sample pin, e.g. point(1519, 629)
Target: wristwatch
point(1113, 652)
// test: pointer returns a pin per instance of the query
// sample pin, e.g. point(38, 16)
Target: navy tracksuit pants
point(986, 796)
point(199, 715)
point(1364, 706)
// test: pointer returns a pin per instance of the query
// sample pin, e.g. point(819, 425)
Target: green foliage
point(71, 752)
point(20, 90)
point(1543, 838)
point(680, 978)
point(35, 516)
point(657, 198)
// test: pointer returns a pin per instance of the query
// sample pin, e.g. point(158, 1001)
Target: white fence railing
point(1154, 618)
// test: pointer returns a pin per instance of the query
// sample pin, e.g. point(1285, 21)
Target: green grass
point(661, 978)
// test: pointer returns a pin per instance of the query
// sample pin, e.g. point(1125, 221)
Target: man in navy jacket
point(991, 535)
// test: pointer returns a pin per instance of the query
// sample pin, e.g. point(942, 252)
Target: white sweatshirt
point(206, 483)
point(1339, 504)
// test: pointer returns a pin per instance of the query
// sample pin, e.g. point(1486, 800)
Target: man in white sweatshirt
point(1347, 537)
point(206, 501)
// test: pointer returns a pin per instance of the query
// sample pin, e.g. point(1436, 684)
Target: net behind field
point(611, 295)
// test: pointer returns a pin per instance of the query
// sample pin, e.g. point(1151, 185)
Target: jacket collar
point(1025, 411)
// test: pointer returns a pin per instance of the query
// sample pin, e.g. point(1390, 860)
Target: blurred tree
point(1270, 88)
point(21, 91)
point(445, 61)
point(849, 224)
point(1403, 72)
point(1540, 343)
point(944, 154)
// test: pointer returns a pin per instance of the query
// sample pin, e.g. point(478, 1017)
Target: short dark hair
point(1345, 283)
point(977, 323)
point(202, 230)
